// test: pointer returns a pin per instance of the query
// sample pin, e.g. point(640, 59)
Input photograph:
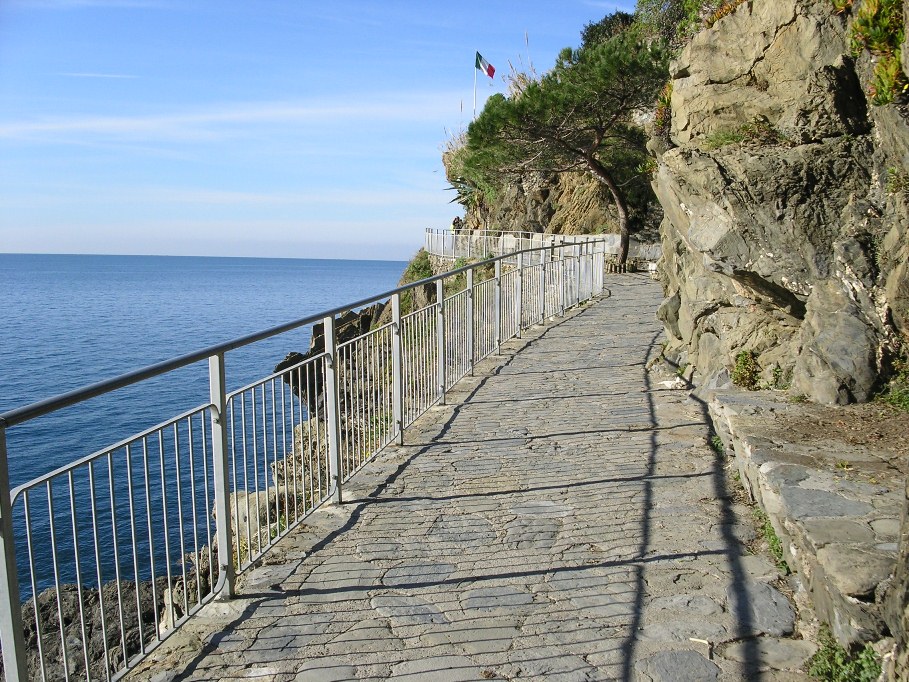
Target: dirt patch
point(878, 427)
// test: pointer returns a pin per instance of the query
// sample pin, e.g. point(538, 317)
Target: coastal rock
point(779, 236)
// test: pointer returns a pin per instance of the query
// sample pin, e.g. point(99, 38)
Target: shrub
point(746, 372)
point(832, 663)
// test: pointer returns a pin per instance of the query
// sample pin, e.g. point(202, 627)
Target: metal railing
point(489, 243)
point(121, 547)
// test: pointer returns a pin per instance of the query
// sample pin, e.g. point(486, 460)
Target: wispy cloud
point(78, 4)
point(96, 75)
point(216, 122)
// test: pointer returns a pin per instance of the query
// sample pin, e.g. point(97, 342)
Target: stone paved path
point(563, 518)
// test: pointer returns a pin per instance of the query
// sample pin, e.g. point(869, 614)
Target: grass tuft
point(832, 663)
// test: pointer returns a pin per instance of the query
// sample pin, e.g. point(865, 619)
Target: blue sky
point(228, 128)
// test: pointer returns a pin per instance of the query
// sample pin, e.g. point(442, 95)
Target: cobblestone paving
point(563, 518)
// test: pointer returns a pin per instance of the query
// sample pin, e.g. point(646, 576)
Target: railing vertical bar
point(245, 454)
point(254, 436)
point(265, 486)
point(78, 559)
point(12, 640)
point(274, 457)
point(93, 501)
point(221, 477)
point(332, 406)
point(293, 439)
point(285, 468)
point(397, 367)
point(195, 507)
point(440, 339)
point(181, 533)
point(469, 330)
point(54, 558)
point(116, 546)
point(134, 542)
point(167, 559)
point(151, 537)
point(39, 634)
point(519, 296)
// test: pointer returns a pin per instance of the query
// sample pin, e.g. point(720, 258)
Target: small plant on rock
point(897, 391)
point(722, 11)
point(879, 28)
point(746, 372)
point(897, 181)
point(774, 545)
point(832, 663)
point(662, 117)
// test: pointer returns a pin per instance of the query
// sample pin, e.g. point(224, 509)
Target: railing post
point(223, 520)
point(577, 250)
point(497, 305)
point(333, 408)
point(440, 337)
point(397, 367)
point(470, 322)
point(561, 262)
point(519, 294)
point(12, 639)
point(544, 262)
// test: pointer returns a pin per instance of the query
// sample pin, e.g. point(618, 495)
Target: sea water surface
point(70, 320)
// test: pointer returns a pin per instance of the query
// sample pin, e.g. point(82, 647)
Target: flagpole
point(474, 93)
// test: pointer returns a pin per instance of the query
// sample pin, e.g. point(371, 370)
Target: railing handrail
point(42, 407)
point(391, 375)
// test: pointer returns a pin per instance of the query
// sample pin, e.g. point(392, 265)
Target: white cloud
point(217, 122)
point(96, 75)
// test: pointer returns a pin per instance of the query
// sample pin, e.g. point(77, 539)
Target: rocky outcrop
point(558, 203)
point(781, 236)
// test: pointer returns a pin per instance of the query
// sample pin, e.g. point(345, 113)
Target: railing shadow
point(622, 578)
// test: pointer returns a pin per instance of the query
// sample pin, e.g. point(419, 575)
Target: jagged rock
point(63, 652)
point(786, 245)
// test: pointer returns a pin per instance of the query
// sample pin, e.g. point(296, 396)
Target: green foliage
point(746, 372)
point(758, 131)
point(722, 138)
point(608, 27)
point(832, 663)
point(897, 391)
point(888, 81)
point(765, 527)
point(662, 117)
point(897, 181)
point(879, 28)
point(579, 117)
point(716, 443)
point(418, 268)
point(722, 11)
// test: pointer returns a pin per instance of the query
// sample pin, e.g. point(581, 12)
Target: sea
point(72, 320)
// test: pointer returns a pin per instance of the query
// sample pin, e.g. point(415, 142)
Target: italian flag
point(485, 66)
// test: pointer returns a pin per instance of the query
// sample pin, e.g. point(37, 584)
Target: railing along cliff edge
point(488, 243)
point(169, 516)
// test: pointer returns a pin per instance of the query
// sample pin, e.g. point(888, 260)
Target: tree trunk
point(601, 174)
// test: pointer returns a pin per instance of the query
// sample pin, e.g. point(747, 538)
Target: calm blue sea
point(68, 321)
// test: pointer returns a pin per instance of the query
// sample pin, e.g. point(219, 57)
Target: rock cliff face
point(558, 203)
point(782, 235)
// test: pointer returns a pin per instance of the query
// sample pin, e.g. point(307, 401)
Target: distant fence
point(119, 548)
point(488, 243)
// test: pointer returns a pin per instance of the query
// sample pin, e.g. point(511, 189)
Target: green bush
point(746, 372)
point(418, 268)
point(832, 663)
point(897, 391)
point(879, 28)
